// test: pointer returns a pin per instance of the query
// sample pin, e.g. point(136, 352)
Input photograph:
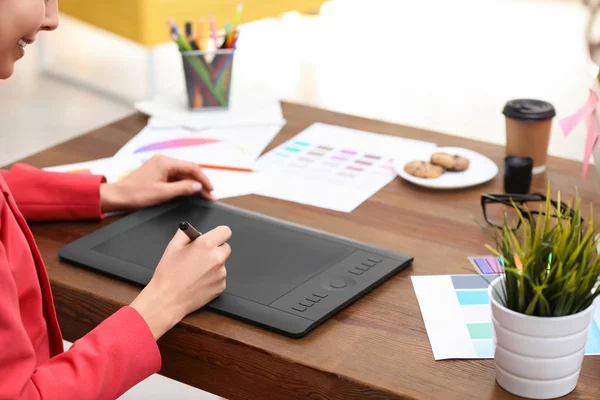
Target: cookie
point(450, 162)
point(422, 169)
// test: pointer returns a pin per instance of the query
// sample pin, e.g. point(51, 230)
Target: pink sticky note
point(569, 123)
point(590, 142)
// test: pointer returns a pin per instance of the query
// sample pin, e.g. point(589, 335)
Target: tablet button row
point(309, 302)
point(362, 268)
point(314, 299)
point(369, 264)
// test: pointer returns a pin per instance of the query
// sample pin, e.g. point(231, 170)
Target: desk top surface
point(378, 343)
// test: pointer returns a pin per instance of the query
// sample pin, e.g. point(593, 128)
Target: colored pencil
point(200, 33)
point(190, 36)
point(238, 16)
point(213, 30)
point(225, 168)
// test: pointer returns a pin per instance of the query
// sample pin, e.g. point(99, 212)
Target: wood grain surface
point(377, 348)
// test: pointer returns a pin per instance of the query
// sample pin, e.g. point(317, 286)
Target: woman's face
point(20, 21)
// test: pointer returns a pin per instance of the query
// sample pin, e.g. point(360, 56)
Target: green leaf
point(559, 259)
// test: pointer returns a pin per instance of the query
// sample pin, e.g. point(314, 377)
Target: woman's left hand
point(158, 180)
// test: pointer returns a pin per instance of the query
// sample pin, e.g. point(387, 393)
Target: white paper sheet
point(94, 167)
point(237, 146)
point(233, 184)
point(227, 183)
point(112, 171)
point(159, 123)
point(333, 167)
point(457, 316)
point(175, 110)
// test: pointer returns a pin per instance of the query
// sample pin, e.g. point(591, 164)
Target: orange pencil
point(229, 39)
point(200, 32)
point(225, 168)
point(235, 39)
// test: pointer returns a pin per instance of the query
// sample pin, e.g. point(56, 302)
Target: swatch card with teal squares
point(457, 315)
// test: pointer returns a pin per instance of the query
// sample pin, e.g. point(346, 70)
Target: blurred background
point(443, 65)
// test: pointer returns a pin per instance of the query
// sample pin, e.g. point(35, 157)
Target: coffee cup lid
point(529, 110)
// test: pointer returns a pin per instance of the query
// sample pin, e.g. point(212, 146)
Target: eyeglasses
point(498, 209)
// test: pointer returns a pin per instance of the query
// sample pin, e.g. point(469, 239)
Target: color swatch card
point(487, 264)
point(333, 167)
point(458, 317)
point(237, 147)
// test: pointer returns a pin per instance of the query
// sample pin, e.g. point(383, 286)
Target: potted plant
point(543, 303)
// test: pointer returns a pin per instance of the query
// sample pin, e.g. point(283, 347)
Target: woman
point(122, 350)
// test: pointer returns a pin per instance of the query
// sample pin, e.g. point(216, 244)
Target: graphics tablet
point(280, 276)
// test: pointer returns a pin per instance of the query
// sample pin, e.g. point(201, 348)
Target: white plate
point(481, 169)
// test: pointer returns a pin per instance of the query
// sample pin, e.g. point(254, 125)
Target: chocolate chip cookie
point(450, 162)
point(422, 169)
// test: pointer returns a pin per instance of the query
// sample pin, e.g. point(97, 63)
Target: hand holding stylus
point(189, 230)
point(189, 275)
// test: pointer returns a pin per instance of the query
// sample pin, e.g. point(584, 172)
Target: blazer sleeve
point(45, 196)
point(116, 355)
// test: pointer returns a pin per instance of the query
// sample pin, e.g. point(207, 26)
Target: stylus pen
point(189, 230)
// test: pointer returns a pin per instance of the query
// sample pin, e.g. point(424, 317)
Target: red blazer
point(105, 363)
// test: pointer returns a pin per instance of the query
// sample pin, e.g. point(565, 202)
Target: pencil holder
point(208, 77)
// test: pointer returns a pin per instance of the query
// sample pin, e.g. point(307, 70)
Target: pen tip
point(183, 226)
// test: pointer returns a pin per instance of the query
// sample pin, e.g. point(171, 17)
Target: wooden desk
point(375, 349)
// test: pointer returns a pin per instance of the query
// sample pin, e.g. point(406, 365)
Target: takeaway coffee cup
point(528, 125)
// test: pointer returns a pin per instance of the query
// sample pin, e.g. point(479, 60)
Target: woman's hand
point(188, 276)
point(160, 179)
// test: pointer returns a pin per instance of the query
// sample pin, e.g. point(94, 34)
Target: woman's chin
point(6, 69)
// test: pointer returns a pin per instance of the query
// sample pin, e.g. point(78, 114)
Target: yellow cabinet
point(145, 21)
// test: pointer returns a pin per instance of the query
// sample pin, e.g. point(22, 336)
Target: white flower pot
point(537, 357)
